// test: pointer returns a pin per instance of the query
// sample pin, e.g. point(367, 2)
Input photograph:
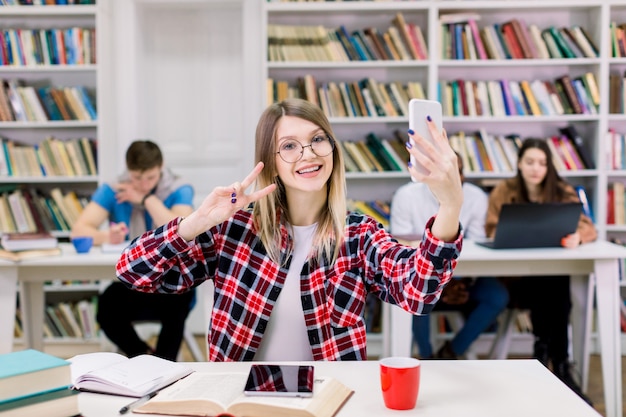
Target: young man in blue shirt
point(146, 196)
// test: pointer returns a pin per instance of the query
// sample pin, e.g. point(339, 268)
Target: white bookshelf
point(32, 133)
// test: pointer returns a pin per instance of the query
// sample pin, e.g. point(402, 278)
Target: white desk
point(31, 274)
point(599, 260)
point(484, 388)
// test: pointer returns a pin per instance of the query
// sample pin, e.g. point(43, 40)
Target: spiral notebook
point(534, 225)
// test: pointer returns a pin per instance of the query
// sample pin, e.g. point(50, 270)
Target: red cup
point(400, 382)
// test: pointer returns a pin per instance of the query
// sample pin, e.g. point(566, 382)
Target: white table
point(483, 388)
point(593, 263)
point(31, 274)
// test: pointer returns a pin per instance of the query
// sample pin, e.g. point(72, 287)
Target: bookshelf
point(80, 71)
point(75, 69)
point(594, 17)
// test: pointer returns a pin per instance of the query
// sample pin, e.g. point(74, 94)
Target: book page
point(81, 364)
point(133, 377)
point(295, 403)
point(114, 247)
point(219, 388)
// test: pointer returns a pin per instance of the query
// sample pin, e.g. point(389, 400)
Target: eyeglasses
point(292, 151)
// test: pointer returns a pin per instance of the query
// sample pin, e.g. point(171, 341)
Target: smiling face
point(311, 172)
point(533, 166)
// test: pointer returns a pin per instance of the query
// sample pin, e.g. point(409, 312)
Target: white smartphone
point(418, 111)
point(280, 380)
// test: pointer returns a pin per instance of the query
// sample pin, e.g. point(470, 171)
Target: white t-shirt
point(413, 204)
point(285, 338)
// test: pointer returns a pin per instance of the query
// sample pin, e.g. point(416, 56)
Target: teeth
point(304, 171)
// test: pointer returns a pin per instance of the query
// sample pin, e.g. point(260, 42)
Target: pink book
point(480, 48)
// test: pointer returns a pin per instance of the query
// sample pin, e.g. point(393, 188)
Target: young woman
point(537, 181)
point(292, 273)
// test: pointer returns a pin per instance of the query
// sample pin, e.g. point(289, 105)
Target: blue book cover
point(29, 372)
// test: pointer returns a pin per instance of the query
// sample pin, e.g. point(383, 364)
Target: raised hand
point(222, 203)
point(443, 179)
point(124, 191)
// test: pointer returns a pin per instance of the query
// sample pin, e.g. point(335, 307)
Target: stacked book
point(33, 383)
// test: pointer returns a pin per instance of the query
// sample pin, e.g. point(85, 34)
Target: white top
point(285, 338)
point(413, 204)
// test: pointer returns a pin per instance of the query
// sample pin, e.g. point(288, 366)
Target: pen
point(137, 402)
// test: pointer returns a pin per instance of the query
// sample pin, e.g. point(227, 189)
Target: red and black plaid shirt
point(247, 282)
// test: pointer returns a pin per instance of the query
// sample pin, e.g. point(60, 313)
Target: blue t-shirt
point(104, 196)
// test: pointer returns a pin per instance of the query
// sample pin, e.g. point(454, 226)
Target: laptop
point(534, 225)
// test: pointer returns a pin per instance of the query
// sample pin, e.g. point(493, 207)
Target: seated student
point(291, 274)
point(147, 195)
point(482, 299)
point(537, 181)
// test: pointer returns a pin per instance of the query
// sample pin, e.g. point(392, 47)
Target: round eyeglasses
point(292, 151)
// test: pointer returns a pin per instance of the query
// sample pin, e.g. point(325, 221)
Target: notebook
point(534, 225)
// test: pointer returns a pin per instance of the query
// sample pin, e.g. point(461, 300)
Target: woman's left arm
point(586, 231)
point(443, 179)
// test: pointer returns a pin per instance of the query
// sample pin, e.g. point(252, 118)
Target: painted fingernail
point(233, 200)
point(233, 195)
point(409, 164)
point(429, 118)
point(408, 144)
point(411, 132)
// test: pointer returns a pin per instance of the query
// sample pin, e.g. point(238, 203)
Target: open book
point(112, 373)
point(214, 394)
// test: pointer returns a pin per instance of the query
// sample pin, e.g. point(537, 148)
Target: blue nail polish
point(233, 195)
point(233, 200)
point(411, 132)
point(429, 118)
point(409, 164)
point(409, 144)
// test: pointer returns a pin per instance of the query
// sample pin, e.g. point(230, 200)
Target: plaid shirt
point(247, 282)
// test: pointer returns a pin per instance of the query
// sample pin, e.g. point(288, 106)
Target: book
point(28, 241)
point(202, 394)
point(58, 403)
point(28, 254)
point(113, 373)
point(28, 372)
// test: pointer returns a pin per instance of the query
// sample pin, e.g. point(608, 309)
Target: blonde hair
point(269, 212)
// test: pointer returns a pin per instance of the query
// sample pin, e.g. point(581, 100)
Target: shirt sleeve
point(162, 261)
point(412, 278)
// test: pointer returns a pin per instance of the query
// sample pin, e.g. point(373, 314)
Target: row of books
point(26, 103)
point(400, 42)
point(616, 144)
point(33, 383)
point(375, 153)
point(564, 95)
point(30, 210)
point(70, 46)
point(51, 157)
point(364, 98)
point(617, 93)
point(377, 209)
point(71, 319)
point(513, 39)
point(618, 39)
point(616, 203)
point(45, 2)
point(483, 152)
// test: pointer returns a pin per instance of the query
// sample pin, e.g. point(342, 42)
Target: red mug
point(400, 382)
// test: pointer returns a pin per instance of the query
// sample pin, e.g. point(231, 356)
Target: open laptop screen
point(534, 225)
